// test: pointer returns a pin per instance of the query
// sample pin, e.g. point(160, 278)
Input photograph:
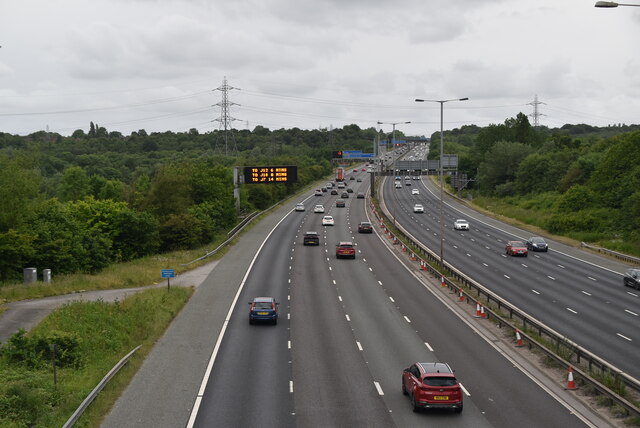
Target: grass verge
point(92, 337)
point(136, 273)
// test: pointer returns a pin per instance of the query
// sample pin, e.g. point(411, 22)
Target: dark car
point(334, 192)
point(349, 190)
point(263, 309)
point(344, 195)
point(632, 278)
point(340, 203)
point(537, 243)
point(352, 178)
point(516, 248)
point(359, 180)
point(432, 386)
point(311, 238)
point(365, 227)
point(345, 249)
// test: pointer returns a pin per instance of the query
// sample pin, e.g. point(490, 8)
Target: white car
point(300, 207)
point(318, 209)
point(461, 224)
point(415, 192)
point(398, 185)
point(418, 208)
point(327, 220)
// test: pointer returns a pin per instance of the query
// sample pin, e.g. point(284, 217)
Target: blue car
point(263, 309)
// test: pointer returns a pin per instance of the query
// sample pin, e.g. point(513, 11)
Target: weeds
point(91, 337)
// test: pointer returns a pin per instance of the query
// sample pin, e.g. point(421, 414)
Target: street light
point(613, 4)
point(418, 100)
point(393, 134)
point(393, 138)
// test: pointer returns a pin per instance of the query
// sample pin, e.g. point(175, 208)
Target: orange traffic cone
point(423, 265)
point(478, 313)
point(413, 257)
point(442, 283)
point(404, 248)
point(483, 314)
point(570, 382)
point(519, 341)
point(460, 296)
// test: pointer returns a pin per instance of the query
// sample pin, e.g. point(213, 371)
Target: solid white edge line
point(378, 387)
point(216, 348)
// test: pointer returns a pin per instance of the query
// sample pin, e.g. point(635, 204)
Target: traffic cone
point(483, 314)
point(460, 296)
point(404, 248)
point(442, 283)
point(570, 382)
point(423, 265)
point(519, 341)
point(413, 257)
point(478, 313)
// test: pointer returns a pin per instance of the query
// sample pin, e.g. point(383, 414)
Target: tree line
point(577, 180)
point(80, 203)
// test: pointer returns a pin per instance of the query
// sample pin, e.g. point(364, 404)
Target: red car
point(516, 248)
point(431, 386)
point(345, 249)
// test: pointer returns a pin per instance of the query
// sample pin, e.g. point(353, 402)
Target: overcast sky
point(155, 64)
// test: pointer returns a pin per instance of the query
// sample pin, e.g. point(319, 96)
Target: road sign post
point(168, 273)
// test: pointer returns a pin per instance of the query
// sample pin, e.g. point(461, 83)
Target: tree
point(16, 249)
point(19, 189)
point(170, 192)
point(74, 184)
point(181, 231)
point(501, 163)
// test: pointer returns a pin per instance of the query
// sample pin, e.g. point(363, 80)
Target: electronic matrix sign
point(270, 174)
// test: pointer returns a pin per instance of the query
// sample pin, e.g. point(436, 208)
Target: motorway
point(347, 329)
point(583, 300)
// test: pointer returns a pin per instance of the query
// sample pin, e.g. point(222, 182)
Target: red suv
point(432, 385)
point(345, 249)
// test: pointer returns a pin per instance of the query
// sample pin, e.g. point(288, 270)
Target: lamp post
point(608, 4)
point(441, 102)
point(393, 133)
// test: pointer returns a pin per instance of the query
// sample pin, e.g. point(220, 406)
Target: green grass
point(137, 273)
point(106, 332)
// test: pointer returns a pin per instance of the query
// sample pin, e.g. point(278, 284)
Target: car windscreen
point(262, 305)
point(440, 381)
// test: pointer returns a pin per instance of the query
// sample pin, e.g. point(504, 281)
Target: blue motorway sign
point(168, 273)
point(356, 154)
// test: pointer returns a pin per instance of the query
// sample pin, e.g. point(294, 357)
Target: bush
point(593, 220)
point(36, 352)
